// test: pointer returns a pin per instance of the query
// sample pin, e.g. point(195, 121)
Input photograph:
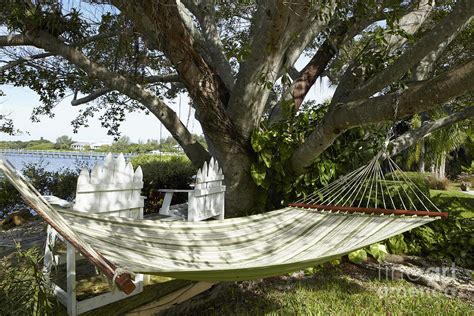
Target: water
point(52, 163)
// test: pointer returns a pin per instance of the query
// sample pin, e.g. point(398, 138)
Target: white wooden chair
point(113, 189)
point(207, 198)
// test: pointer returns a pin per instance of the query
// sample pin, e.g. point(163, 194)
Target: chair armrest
point(54, 200)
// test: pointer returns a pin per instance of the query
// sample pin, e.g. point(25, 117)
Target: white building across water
point(89, 145)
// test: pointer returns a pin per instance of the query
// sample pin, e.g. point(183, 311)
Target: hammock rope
point(366, 189)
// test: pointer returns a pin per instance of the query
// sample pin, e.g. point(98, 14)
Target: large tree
point(236, 61)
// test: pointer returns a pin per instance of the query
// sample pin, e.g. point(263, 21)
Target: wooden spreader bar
point(349, 209)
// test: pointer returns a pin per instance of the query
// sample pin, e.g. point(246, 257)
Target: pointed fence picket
point(206, 200)
point(112, 189)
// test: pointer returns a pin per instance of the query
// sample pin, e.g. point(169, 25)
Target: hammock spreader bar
point(367, 210)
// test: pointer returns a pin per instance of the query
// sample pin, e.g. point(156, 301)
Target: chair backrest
point(111, 189)
point(207, 199)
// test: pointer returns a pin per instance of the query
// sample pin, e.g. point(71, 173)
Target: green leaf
point(258, 173)
point(397, 244)
point(358, 256)
point(467, 214)
point(256, 142)
point(378, 251)
point(266, 156)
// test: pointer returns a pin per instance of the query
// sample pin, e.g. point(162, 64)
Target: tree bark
point(306, 78)
point(421, 162)
point(205, 13)
point(274, 33)
point(208, 92)
point(441, 167)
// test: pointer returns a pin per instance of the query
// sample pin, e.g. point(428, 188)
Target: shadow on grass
point(272, 295)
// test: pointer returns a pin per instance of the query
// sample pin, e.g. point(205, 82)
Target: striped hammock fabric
point(233, 249)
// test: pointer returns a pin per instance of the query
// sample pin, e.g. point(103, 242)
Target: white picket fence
point(207, 198)
point(112, 189)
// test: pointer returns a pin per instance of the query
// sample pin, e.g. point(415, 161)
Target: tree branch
point(278, 34)
point(173, 77)
point(412, 137)
point(305, 79)
point(426, 65)
point(103, 91)
point(420, 97)
point(196, 153)
point(354, 75)
point(410, 23)
point(205, 87)
point(85, 41)
point(205, 13)
point(461, 14)
point(14, 40)
point(20, 61)
point(90, 97)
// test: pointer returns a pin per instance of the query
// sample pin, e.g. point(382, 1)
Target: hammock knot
point(118, 272)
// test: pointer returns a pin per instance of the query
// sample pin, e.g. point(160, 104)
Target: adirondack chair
point(112, 189)
point(205, 200)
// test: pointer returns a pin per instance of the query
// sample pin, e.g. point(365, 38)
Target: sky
point(19, 102)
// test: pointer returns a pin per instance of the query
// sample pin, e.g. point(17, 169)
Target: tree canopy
point(388, 60)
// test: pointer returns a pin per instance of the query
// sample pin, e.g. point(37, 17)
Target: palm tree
point(435, 148)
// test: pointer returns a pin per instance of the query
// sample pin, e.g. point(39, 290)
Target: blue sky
point(19, 103)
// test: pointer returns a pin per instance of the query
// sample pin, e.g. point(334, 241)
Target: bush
point(453, 238)
point(164, 172)
point(417, 178)
point(438, 184)
point(61, 183)
point(23, 288)
point(43, 146)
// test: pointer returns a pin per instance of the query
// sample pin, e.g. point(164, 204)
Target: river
point(52, 163)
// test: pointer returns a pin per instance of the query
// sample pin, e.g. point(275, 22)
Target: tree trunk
point(242, 194)
point(421, 162)
point(442, 167)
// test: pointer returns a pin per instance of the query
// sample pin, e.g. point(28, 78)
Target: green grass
point(454, 201)
point(330, 291)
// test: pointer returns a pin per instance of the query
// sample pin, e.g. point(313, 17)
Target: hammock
point(355, 211)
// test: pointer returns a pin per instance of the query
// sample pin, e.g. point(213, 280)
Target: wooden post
point(71, 280)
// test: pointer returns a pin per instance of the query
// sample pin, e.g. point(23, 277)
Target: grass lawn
point(341, 290)
point(454, 200)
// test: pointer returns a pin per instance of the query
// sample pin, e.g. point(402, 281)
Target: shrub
point(164, 172)
point(10, 199)
point(417, 178)
point(437, 184)
point(61, 183)
point(451, 238)
point(43, 146)
point(23, 288)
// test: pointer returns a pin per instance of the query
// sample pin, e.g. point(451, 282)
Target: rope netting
point(380, 187)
